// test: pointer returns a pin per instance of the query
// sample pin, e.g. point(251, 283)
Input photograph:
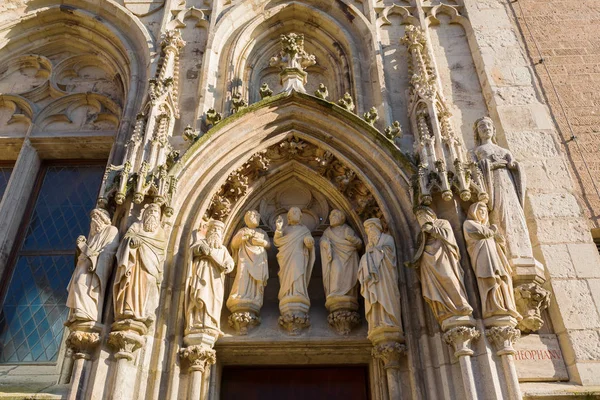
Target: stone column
point(390, 354)
point(83, 342)
point(503, 338)
point(460, 339)
point(126, 338)
point(199, 358)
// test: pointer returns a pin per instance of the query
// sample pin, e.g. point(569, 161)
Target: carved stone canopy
point(324, 163)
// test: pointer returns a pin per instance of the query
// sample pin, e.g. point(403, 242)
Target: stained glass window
point(4, 176)
point(34, 310)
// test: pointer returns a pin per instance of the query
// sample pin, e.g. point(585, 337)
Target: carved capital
point(125, 343)
point(460, 339)
point(503, 338)
point(82, 343)
point(198, 357)
point(294, 323)
point(343, 321)
point(241, 321)
point(390, 353)
point(531, 300)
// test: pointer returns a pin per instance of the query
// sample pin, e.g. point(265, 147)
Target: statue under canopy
point(140, 259)
point(210, 262)
point(505, 185)
point(441, 275)
point(94, 259)
point(485, 245)
point(249, 245)
point(378, 277)
point(296, 258)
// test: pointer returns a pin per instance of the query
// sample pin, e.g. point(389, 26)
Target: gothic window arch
point(66, 87)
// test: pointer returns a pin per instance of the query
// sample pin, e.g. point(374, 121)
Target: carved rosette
point(460, 339)
point(82, 343)
point(390, 353)
point(198, 357)
point(125, 343)
point(242, 321)
point(239, 182)
point(343, 321)
point(531, 300)
point(503, 338)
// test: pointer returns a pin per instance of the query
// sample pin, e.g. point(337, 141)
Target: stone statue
point(339, 260)
point(505, 185)
point(94, 268)
point(440, 272)
point(210, 261)
point(249, 245)
point(378, 277)
point(296, 257)
point(140, 260)
point(492, 269)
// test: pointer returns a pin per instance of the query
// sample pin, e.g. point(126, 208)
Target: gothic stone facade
point(459, 262)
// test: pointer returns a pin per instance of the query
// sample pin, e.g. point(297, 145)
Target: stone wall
point(563, 45)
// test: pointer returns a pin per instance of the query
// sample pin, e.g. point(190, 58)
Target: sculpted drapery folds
point(339, 257)
point(378, 277)
point(440, 272)
point(485, 245)
point(139, 273)
point(95, 259)
point(505, 185)
point(296, 256)
point(249, 247)
point(210, 262)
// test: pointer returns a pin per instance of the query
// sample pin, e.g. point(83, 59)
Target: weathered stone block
point(574, 302)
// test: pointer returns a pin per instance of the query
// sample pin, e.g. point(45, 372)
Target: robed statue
point(249, 245)
point(140, 259)
point(485, 245)
point(339, 257)
point(378, 277)
point(505, 184)
point(94, 265)
point(438, 259)
point(210, 262)
point(296, 255)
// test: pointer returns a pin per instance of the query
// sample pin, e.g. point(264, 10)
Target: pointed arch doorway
point(285, 151)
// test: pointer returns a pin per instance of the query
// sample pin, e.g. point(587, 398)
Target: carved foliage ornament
point(321, 161)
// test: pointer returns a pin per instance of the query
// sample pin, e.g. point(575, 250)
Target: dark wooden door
point(290, 383)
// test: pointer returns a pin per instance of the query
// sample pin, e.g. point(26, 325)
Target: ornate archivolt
point(321, 161)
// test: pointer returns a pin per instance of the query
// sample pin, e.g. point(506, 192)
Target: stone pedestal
point(342, 313)
point(456, 321)
point(293, 79)
point(460, 339)
point(294, 314)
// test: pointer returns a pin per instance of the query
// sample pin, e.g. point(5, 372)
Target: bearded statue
point(140, 259)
